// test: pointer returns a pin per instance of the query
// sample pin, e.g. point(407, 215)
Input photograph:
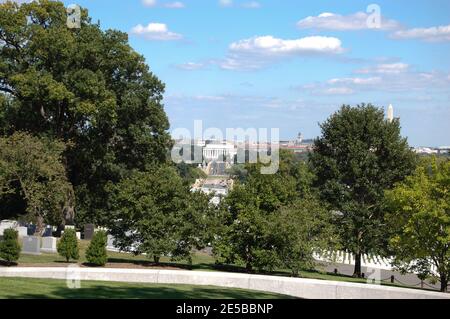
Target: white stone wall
point(297, 287)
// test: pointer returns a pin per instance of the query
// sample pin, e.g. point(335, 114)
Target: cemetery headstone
point(31, 245)
point(49, 244)
point(110, 244)
point(89, 230)
point(23, 231)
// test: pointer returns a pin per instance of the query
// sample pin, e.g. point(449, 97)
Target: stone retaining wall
point(297, 287)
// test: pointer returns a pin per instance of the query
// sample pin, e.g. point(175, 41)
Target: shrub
point(96, 253)
point(10, 247)
point(68, 245)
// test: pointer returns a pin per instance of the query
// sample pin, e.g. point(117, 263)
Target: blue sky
point(290, 64)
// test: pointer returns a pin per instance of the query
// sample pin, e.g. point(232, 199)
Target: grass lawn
point(200, 262)
point(25, 288)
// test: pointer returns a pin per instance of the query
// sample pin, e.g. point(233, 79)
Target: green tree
point(190, 173)
point(299, 230)
point(9, 246)
point(96, 253)
point(155, 213)
point(358, 157)
point(419, 214)
point(31, 169)
point(84, 86)
point(68, 245)
point(246, 236)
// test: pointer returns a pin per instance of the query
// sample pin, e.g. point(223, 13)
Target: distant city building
point(219, 188)
point(432, 150)
point(426, 150)
point(219, 152)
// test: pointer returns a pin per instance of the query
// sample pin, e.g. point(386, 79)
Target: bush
point(10, 247)
point(96, 253)
point(68, 245)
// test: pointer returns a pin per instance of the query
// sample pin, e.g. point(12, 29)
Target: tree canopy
point(86, 87)
point(156, 214)
point(419, 214)
point(359, 155)
point(252, 210)
point(31, 169)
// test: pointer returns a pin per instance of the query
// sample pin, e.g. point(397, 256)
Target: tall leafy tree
point(31, 170)
point(358, 157)
point(419, 214)
point(84, 86)
point(156, 214)
point(246, 238)
point(300, 229)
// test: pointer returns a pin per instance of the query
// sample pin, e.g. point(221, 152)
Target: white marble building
point(219, 152)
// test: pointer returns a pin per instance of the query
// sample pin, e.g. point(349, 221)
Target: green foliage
point(31, 170)
point(96, 253)
point(190, 173)
point(246, 235)
point(358, 157)
point(419, 215)
point(9, 246)
point(156, 214)
point(84, 86)
point(300, 229)
point(68, 245)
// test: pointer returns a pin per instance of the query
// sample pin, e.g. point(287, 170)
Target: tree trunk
point(156, 259)
point(357, 273)
point(249, 267)
point(444, 283)
point(40, 225)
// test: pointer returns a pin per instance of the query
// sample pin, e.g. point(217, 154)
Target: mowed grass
point(25, 288)
point(200, 262)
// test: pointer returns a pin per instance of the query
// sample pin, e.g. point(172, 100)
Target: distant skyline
point(290, 64)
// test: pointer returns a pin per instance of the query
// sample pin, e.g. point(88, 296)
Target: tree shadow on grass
point(98, 291)
point(4, 263)
point(150, 264)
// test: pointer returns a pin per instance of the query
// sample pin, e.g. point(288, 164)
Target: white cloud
point(353, 22)
point(149, 3)
point(191, 66)
point(269, 45)
point(251, 5)
point(338, 91)
point(433, 34)
point(385, 68)
point(226, 3)
point(155, 31)
point(356, 81)
point(257, 52)
point(394, 77)
point(209, 98)
point(175, 5)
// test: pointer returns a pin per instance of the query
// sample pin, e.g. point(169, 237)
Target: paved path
point(410, 280)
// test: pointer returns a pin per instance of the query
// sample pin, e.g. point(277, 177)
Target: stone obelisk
point(390, 113)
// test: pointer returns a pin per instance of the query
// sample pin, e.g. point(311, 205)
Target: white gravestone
point(110, 244)
point(31, 245)
point(49, 244)
point(23, 231)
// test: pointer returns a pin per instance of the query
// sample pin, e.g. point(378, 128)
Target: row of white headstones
point(367, 260)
